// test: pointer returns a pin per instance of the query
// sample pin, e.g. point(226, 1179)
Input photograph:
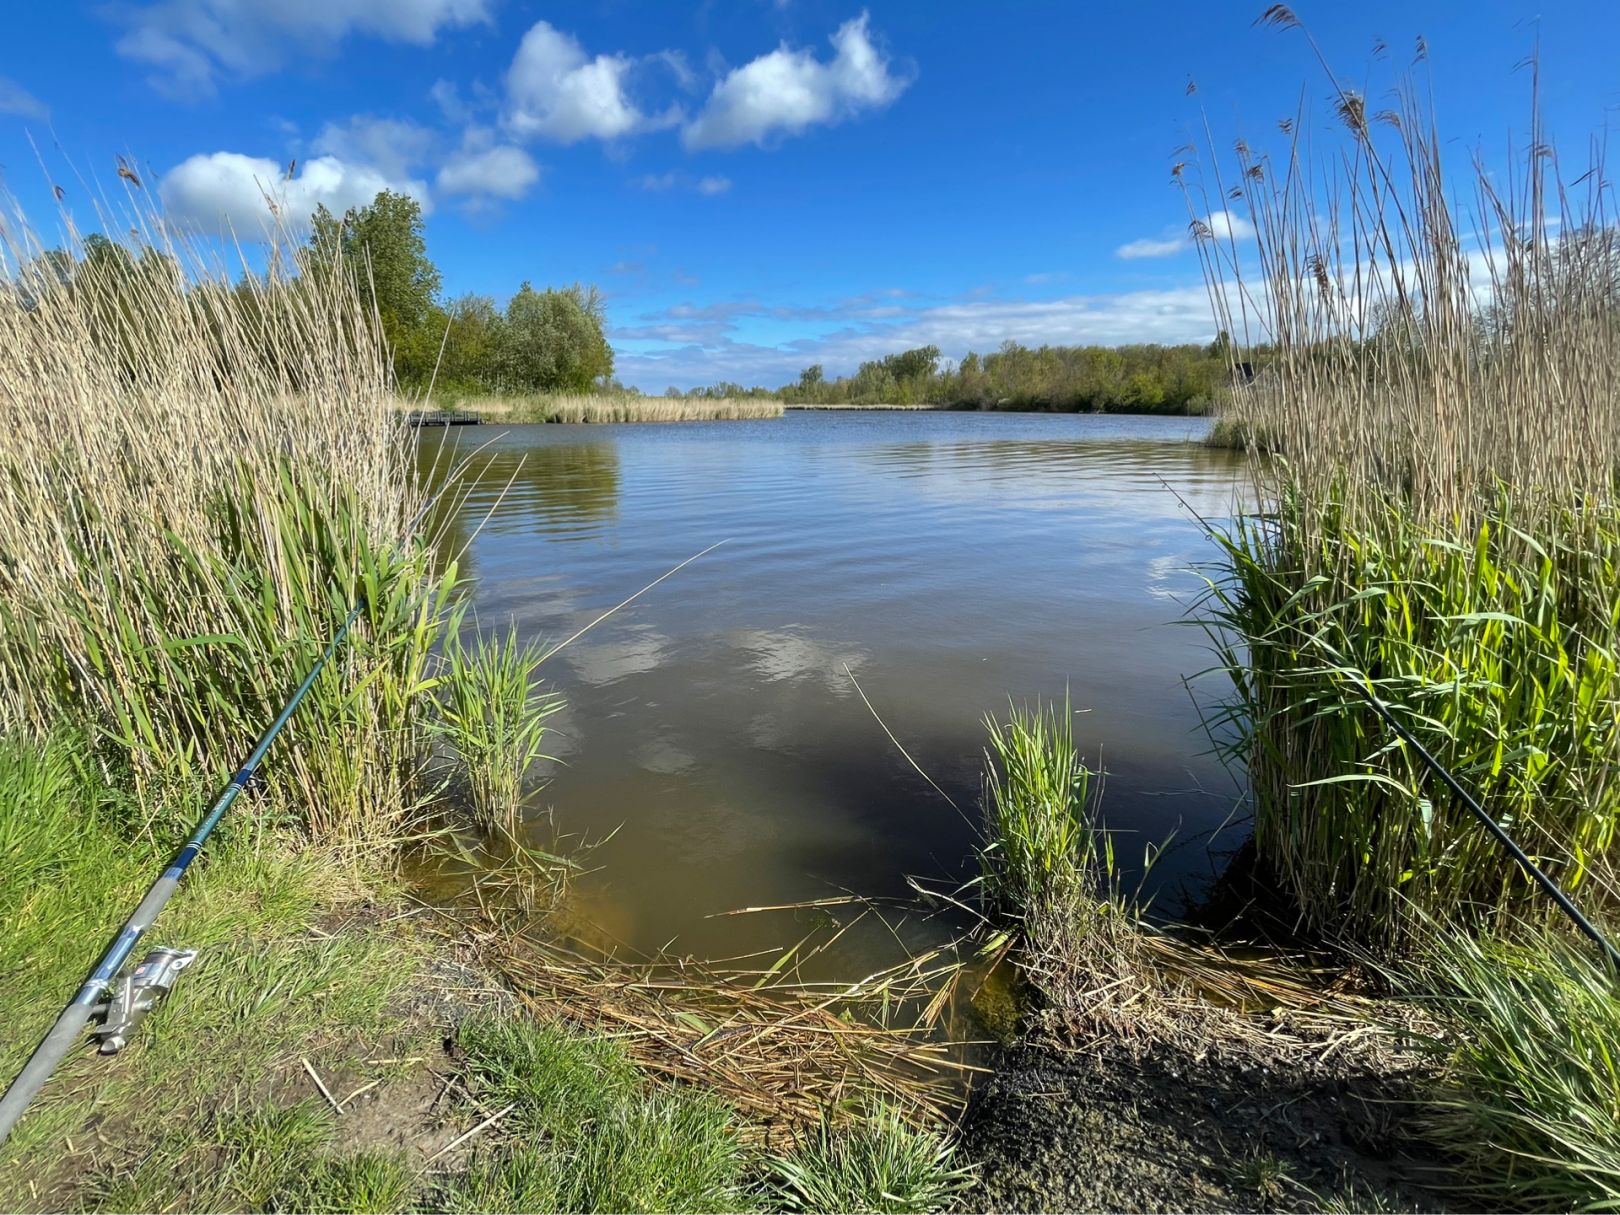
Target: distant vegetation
point(1061, 379)
point(619, 406)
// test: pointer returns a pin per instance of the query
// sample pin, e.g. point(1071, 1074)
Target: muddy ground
point(1233, 1126)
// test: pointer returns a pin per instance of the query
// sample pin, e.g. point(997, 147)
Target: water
point(946, 561)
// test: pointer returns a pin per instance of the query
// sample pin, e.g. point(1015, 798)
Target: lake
point(948, 562)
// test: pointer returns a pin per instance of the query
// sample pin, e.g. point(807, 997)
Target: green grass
point(589, 1134)
point(879, 1164)
point(264, 992)
point(1531, 1109)
point(267, 1158)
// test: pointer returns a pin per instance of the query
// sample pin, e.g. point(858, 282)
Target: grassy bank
point(332, 1050)
point(607, 408)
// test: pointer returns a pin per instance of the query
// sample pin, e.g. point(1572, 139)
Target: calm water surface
point(948, 561)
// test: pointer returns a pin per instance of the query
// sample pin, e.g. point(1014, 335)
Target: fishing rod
point(147, 984)
point(1519, 855)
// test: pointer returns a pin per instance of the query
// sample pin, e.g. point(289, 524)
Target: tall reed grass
point(605, 407)
point(1440, 391)
point(1049, 875)
point(1043, 842)
point(197, 481)
point(1530, 1108)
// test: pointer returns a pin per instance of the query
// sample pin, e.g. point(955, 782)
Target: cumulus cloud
point(227, 192)
point(556, 91)
point(1223, 225)
point(191, 43)
point(501, 171)
point(789, 91)
point(14, 99)
point(714, 185)
point(1148, 246)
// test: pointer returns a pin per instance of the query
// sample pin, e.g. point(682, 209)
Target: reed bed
point(617, 408)
point(1055, 899)
point(1440, 391)
point(197, 482)
point(1531, 1103)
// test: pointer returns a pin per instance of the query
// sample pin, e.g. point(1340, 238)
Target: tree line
point(1094, 379)
point(542, 341)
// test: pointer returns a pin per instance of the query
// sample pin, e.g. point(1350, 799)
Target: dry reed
point(624, 408)
point(786, 1052)
point(196, 483)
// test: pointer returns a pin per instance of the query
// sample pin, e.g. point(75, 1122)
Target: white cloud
point(659, 183)
point(227, 192)
point(192, 42)
point(1222, 225)
point(14, 99)
point(1148, 246)
point(502, 171)
point(392, 146)
point(788, 91)
point(556, 91)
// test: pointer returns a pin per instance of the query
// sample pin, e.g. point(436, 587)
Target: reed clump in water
point(1441, 522)
point(492, 719)
point(1047, 864)
point(197, 482)
point(1054, 892)
point(606, 407)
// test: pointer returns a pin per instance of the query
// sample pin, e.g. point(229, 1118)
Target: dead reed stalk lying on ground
point(785, 1052)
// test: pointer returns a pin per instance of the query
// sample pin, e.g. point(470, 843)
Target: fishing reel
point(136, 995)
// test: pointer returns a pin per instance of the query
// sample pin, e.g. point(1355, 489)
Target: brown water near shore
point(945, 561)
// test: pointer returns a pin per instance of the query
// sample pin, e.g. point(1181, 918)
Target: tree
point(553, 341)
point(383, 247)
point(472, 343)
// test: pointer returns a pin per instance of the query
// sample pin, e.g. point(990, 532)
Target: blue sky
point(756, 184)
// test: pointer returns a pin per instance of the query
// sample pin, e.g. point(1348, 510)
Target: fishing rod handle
point(70, 1025)
point(67, 1031)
